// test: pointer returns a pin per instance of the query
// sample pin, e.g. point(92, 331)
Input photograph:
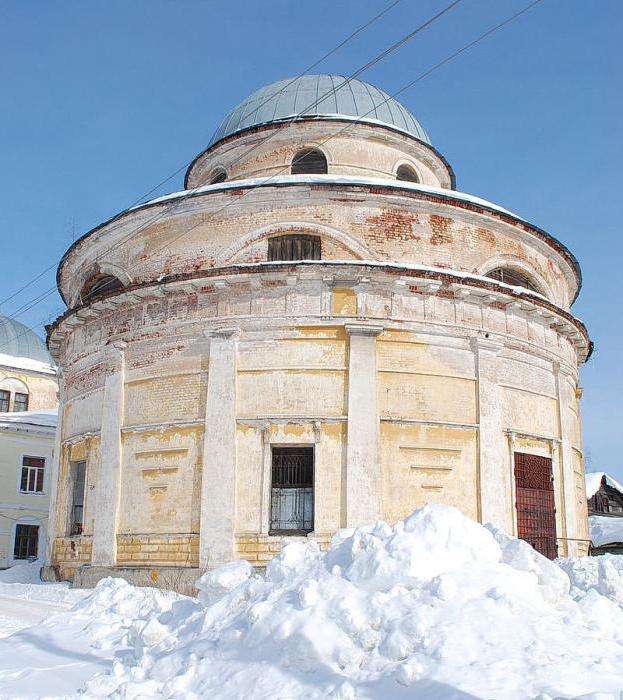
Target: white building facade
point(28, 401)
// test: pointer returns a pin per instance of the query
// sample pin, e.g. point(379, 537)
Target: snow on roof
point(593, 482)
point(605, 530)
point(26, 363)
point(329, 179)
point(43, 417)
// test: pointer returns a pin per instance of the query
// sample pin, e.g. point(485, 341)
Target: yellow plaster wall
point(421, 463)
point(42, 390)
point(164, 398)
point(529, 412)
point(161, 481)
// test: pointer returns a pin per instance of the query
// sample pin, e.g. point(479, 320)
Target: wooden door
point(536, 510)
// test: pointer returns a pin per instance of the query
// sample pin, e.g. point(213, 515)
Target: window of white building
point(5, 399)
point(26, 541)
point(20, 402)
point(33, 473)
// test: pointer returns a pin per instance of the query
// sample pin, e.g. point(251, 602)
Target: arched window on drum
point(407, 174)
point(513, 277)
point(309, 161)
point(98, 285)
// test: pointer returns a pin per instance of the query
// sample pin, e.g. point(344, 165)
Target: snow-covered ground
point(435, 607)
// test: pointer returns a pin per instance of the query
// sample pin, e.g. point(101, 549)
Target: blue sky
point(102, 101)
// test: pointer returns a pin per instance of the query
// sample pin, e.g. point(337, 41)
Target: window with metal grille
point(536, 510)
point(78, 470)
point(33, 474)
point(5, 400)
point(406, 173)
point(309, 161)
point(294, 247)
point(26, 541)
point(292, 490)
point(20, 402)
point(503, 274)
point(98, 285)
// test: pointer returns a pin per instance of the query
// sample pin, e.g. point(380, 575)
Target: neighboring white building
point(27, 427)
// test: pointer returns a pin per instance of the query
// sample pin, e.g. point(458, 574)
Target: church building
point(318, 331)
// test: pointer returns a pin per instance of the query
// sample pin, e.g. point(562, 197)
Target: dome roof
point(335, 95)
point(19, 341)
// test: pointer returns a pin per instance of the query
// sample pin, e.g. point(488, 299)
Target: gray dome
point(333, 95)
point(17, 340)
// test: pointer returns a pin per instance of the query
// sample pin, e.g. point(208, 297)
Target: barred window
point(5, 399)
point(33, 472)
point(309, 161)
point(292, 490)
point(294, 247)
point(20, 402)
point(517, 279)
point(407, 173)
point(26, 541)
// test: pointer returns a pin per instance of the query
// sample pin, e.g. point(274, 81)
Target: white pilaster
point(494, 484)
point(53, 478)
point(108, 487)
point(218, 486)
point(564, 385)
point(363, 484)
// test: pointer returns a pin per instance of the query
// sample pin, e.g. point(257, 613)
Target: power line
point(360, 117)
point(438, 65)
point(318, 100)
point(183, 167)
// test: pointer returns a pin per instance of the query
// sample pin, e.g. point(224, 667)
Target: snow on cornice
point(26, 363)
point(330, 180)
point(460, 275)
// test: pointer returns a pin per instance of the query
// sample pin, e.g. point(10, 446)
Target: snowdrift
point(435, 607)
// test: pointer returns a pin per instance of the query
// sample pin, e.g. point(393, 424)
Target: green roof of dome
point(17, 340)
point(319, 95)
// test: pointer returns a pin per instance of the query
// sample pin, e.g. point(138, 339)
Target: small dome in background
point(19, 341)
point(335, 95)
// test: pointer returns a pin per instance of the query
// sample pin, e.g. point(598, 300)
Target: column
point(218, 485)
point(363, 483)
point(564, 385)
point(493, 475)
point(53, 478)
point(109, 476)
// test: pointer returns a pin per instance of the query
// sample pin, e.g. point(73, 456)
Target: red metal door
point(536, 510)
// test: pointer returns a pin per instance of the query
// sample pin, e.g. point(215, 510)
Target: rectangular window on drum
point(20, 402)
point(33, 474)
point(78, 470)
point(292, 490)
point(5, 399)
point(294, 247)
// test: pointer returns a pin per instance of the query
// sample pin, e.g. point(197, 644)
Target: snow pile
point(435, 607)
point(28, 572)
point(603, 575)
point(605, 530)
